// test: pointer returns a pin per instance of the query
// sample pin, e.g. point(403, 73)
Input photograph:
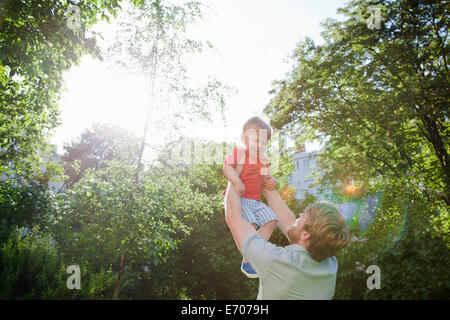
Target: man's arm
point(285, 216)
point(240, 228)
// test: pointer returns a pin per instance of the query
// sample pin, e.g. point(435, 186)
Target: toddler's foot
point(248, 270)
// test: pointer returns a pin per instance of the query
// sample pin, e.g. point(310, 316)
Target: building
point(303, 176)
point(54, 186)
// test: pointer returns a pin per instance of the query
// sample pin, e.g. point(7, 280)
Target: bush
point(413, 265)
point(29, 264)
point(23, 205)
point(33, 268)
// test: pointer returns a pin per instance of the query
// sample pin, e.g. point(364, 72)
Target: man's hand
point(239, 187)
point(269, 183)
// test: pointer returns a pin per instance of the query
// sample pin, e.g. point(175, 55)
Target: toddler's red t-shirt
point(251, 175)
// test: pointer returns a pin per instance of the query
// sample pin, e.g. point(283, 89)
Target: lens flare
point(361, 215)
point(287, 193)
point(399, 233)
point(351, 189)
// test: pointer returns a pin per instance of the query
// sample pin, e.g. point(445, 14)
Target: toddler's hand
point(270, 183)
point(239, 187)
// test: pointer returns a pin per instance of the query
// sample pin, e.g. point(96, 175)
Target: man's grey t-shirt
point(289, 273)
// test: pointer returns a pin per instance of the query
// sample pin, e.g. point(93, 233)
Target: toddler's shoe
point(248, 270)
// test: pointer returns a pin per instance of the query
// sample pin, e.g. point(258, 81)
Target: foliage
point(208, 253)
point(29, 265)
point(104, 212)
point(33, 268)
point(36, 45)
point(95, 147)
point(377, 98)
point(24, 205)
point(152, 40)
point(413, 259)
point(107, 214)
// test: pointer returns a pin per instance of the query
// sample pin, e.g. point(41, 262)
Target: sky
point(252, 40)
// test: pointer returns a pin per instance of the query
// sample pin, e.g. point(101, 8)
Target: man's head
point(321, 230)
point(255, 134)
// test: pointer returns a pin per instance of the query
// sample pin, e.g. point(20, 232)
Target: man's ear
point(305, 235)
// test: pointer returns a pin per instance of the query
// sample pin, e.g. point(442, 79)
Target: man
point(307, 268)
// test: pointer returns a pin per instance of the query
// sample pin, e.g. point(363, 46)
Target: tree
point(95, 147)
point(29, 264)
point(108, 219)
point(206, 263)
point(24, 205)
point(36, 45)
point(152, 40)
point(377, 98)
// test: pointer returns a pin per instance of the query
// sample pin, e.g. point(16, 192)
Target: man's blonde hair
point(328, 230)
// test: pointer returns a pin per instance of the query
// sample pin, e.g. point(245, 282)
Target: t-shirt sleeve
point(259, 253)
point(235, 157)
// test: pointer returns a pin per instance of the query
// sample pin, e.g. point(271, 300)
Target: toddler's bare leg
point(266, 230)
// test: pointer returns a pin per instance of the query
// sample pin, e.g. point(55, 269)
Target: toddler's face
point(255, 140)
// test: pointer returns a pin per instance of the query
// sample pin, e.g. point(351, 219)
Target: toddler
point(247, 169)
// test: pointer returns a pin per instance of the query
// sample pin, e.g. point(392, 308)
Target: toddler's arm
point(232, 169)
point(232, 174)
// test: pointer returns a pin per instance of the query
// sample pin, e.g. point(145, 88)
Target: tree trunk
point(119, 277)
point(147, 121)
point(154, 57)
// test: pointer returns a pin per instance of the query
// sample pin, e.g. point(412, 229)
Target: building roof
point(304, 154)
